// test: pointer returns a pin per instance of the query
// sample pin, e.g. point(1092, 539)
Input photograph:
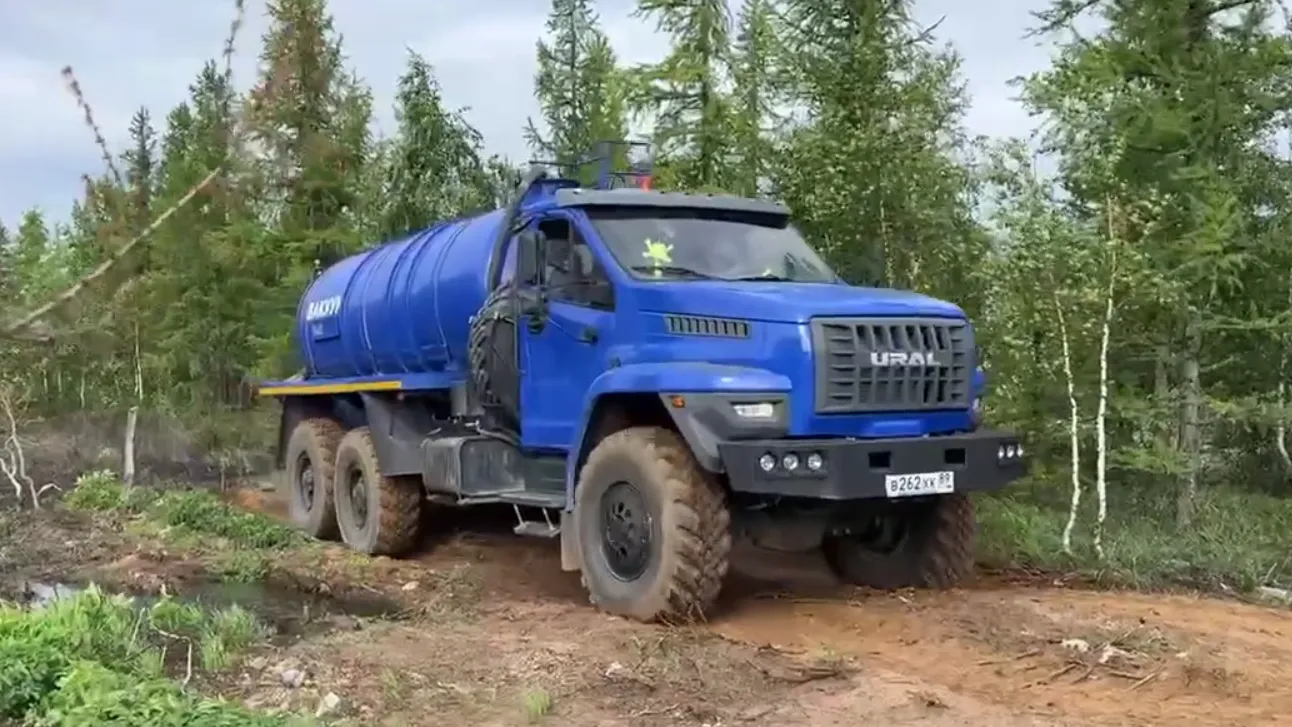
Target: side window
point(574, 275)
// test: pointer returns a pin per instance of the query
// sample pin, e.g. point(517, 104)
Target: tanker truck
point(646, 376)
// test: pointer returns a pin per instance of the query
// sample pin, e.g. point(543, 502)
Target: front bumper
point(857, 469)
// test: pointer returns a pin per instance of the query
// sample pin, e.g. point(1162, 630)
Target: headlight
point(1009, 452)
point(790, 462)
point(760, 410)
point(815, 461)
point(767, 462)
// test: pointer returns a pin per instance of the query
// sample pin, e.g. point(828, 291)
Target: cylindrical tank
point(402, 307)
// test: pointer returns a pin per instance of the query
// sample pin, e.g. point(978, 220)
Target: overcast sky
point(130, 53)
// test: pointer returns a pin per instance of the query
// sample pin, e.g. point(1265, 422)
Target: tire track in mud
point(989, 655)
point(1091, 658)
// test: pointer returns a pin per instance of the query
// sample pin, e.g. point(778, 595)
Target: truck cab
point(831, 416)
point(652, 376)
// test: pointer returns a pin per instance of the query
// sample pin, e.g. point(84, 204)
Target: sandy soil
point(491, 632)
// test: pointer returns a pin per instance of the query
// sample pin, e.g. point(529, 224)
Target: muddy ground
point(483, 628)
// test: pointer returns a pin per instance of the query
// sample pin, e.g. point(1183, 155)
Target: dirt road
point(500, 636)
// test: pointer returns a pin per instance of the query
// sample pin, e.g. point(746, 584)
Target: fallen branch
point(188, 664)
point(1147, 678)
point(29, 323)
point(996, 662)
point(28, 327)
point(1069, 667)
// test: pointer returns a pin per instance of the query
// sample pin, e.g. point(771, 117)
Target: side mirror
point(531, 260)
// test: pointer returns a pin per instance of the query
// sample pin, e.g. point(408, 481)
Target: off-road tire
point(394, 503)
point(691, 540)
point(497, 307)
point(317, 438)
point(937, 553)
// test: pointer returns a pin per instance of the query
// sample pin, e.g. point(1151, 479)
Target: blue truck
point(647, 376)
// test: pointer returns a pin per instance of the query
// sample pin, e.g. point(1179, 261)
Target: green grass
point(1238, 540)
point(538, 703)
point(97, 659)
point(241, 566)
point(195, 515)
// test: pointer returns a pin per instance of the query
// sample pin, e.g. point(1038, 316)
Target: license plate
point(920, 483)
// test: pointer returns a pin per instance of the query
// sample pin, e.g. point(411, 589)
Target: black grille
point(891, 364)
point(705, 326)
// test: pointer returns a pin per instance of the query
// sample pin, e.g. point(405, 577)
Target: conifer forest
point(1127, 269)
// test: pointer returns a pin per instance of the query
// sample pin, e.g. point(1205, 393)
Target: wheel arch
point(345, 409)
point(642, 395)
point(610, 413)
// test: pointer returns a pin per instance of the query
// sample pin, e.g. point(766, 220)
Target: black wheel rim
point(627, 531)
point(305, 482)
point(357, 491)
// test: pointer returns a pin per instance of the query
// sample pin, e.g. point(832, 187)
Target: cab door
point(564, 348)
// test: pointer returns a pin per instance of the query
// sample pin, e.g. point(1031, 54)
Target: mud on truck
point(645, 375)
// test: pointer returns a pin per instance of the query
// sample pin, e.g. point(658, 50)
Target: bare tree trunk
point(139, 369)
point(1074, 424)
point(1101, 415)
point(128, 467)
point(1169, 428)
point(1101, 421)
point(1190, 424)
point(1281, 429)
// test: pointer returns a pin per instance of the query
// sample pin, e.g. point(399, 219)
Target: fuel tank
point(402, 307)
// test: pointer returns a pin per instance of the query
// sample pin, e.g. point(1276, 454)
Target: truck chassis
point(647, 524)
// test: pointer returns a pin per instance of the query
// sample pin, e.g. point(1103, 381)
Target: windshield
point(684, 244)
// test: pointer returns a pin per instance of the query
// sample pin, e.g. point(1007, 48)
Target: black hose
point(534, 174)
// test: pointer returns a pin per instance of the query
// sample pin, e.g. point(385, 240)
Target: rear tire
point(673, 573)
point(377, 515)
point(935, 549)
point(310, 464)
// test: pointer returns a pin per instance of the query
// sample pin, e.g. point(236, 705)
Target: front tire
point(653, 528)
point(377, 515)
point(310, 460)
point(926, 544)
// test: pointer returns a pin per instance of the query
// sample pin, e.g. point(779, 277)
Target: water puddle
point(290, 613)
point(42, 594)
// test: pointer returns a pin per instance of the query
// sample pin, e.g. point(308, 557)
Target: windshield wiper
point(673, 270)
point(765, 276)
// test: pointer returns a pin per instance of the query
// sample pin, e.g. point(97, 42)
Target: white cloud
point(146, 53)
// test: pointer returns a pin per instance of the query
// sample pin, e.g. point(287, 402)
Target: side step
point(481, 470)
point(541, 501)
point(534, 528)
point(523, 498)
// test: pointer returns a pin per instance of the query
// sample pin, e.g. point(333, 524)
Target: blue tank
point(401, 308)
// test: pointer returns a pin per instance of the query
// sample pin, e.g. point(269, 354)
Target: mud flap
point(570, 561)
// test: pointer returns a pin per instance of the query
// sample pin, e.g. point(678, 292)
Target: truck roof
point(630, 197)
